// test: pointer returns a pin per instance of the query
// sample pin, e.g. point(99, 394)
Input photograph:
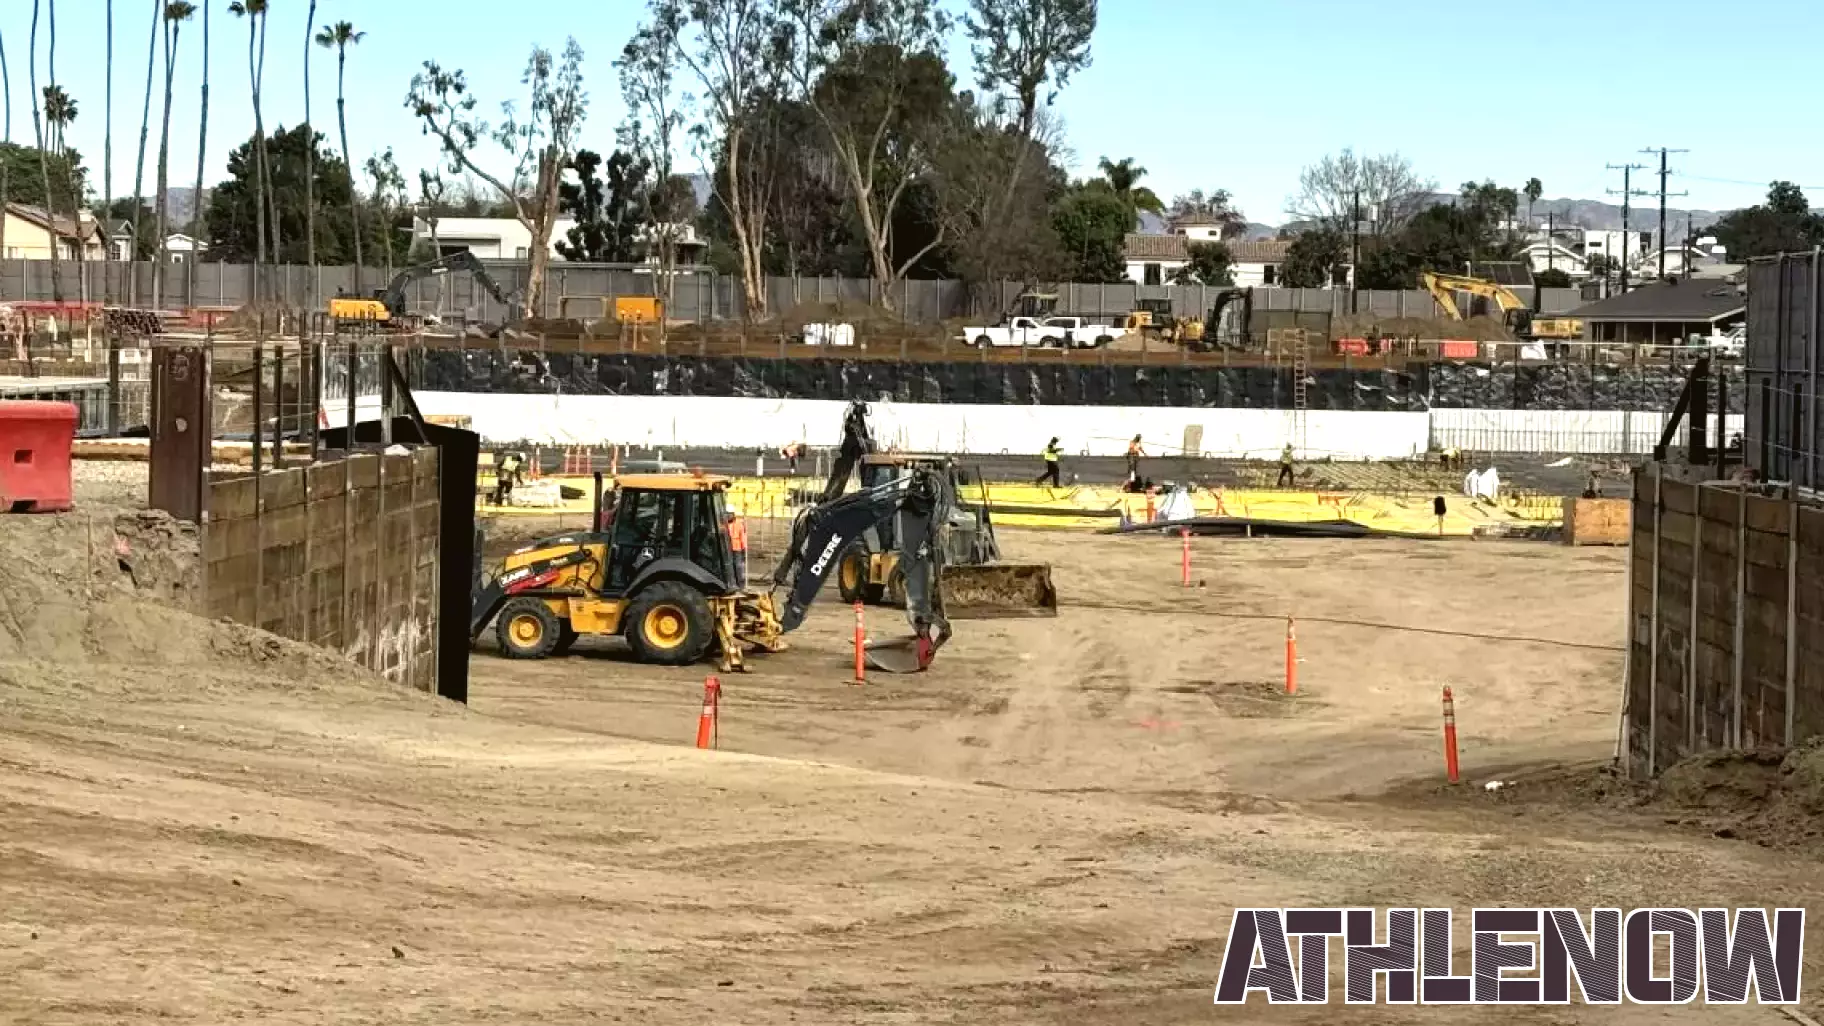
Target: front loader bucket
point(998, 590)
point(899, 655)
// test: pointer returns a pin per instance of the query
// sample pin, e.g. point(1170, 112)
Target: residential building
point(30, 231)
point(1554, 255)
point(180, 247)
point(1616, 244)
point(1664, 313)
point(120, 239)
point(506, 238)
point(1154, 259)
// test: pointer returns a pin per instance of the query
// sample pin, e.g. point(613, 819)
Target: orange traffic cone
point(707, 722)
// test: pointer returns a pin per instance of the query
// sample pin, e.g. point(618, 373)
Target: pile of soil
point(1773, 796)
point(90, 590)
point(1364, 325)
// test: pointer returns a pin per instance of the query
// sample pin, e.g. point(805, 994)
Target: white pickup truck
point(1073, 332)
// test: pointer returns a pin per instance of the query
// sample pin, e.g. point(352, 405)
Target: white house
point(180, 247)
point(1544, 256)
point(505, 238)
point(1616, 244)
point(1153, 259)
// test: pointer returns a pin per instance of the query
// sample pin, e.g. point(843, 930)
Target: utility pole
point(1355, 244)
point(1551, 236)
point(1627, 193)
point(1663, 172)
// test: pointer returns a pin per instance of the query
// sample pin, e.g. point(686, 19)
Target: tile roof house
point(29, 231)
point(1153, 259)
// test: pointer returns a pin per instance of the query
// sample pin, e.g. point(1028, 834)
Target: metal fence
point(586, 291)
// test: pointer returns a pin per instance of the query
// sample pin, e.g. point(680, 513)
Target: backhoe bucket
point(900, 655)
point(998, 590)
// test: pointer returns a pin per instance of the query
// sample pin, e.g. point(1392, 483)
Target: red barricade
point(35, 439)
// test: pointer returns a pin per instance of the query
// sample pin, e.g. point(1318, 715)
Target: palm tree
point(44, 166)
point(59, 111)
point(107, 167)
point(251, 10)
point(67, 113)
point(310, 152)
point(196, 197)
point(145, 126)
point(1123, 179)
point(340, 37)
point(176, 13)
point(1533, 191)
point(6, 99)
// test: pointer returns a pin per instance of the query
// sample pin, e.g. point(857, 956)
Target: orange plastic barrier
point(1459, 350)
point(35, 439)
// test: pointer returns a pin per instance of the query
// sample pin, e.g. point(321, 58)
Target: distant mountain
point(1642, 215)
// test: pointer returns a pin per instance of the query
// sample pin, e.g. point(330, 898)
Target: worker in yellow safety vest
point(507, 474)
point(1053, 452)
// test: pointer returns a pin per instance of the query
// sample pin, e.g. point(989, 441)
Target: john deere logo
point(824, 560)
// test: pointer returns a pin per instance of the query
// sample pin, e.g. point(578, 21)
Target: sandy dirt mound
point(87, 590)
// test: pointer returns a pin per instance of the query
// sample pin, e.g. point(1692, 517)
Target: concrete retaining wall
point(342, 554)
point(1725, 621)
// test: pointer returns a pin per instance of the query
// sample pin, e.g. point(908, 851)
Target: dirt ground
point(205, 823)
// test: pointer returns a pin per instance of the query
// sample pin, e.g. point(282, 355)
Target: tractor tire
point(852, 577)
point(527, 629)
point(670, 624)
point(894, 592)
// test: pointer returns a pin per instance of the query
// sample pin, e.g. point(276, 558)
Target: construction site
point(326, 696)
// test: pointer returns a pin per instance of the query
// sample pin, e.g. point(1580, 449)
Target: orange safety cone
point(707, 722)
point(861, 647)
point(1291, 657)
point(1450, 736)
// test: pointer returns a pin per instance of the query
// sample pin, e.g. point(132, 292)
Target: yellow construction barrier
point(1087, 507)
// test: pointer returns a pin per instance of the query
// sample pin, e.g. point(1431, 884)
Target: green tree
point(1209, 265)
point(1123, 179)
point(388, 198)
point(1552, 278)
point(875, 76)
point(1534, 189)
point(1783, 224)
point(991, 192)
point(1217, 208)
point(6, 163)
point(202, 152)
point(339, 37)
point(235, 202)
point(1022, 46)
point(1313, 258)
point(19, 168)
point(606, 203)
point(59, 113)
point(255, 13)
point(1092, 222)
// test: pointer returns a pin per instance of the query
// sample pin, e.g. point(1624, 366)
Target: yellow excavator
point(1515, 313)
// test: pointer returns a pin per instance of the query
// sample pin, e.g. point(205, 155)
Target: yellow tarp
point(770, 497)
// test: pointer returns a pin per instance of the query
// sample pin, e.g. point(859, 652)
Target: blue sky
point(1203, 93)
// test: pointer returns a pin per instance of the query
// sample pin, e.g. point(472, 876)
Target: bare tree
point(1388, 189)
point(541, 139)
point(734, 52)
point(1214, 208)
point(139, 167)
point(874, 74)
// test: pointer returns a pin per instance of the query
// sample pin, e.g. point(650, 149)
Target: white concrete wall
point(771, 423)
point(734, 423)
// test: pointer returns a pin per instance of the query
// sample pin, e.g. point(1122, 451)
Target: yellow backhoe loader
point(1516, 315)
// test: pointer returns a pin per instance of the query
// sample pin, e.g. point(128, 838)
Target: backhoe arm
point(821, 533)
point(462, 260)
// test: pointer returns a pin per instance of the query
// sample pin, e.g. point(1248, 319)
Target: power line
point(1663, 172)
point(1627, 193)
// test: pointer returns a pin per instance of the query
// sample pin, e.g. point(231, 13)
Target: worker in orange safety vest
point(737, 546)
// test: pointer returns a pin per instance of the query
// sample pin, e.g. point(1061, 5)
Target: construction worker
point(1134, 452)
point(1051, 456)
point(508, 473)
point(737, 544)
point(790, 455)
point(1286, 476)
point(1452, 458)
